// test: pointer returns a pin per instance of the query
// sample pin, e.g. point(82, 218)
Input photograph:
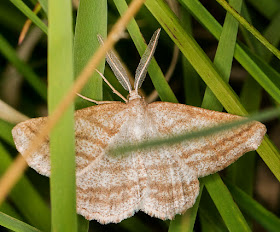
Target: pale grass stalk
point(9, 114)
point(27, 24)
point(15, 171)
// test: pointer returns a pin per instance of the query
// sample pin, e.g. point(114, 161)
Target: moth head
point(134, 95)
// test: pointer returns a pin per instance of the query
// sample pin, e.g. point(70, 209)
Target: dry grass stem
point(11, 115)
point(16, 170)
point(27, 24)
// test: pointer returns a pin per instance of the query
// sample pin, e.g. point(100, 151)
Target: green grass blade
point(254, 210)
point(161, 85)
point(205, 69)
point(251, 41)
point(251, 98)
point(249, 27)
point(6, 208)
point(260, 71)
point(8, 51)
point(83, 224)
point(5, 132)
point(44, 5)
point(91, 20)
point(210, 219)
point(271, 85)
point(11, 16)
point(15, 224)
point(62, 140)
point(273, 35)
point(30, 14)
point(26, 198)
point(192, 80)
point(134, 224)
point(224, 56)
point(230, 213)
point(267, 8)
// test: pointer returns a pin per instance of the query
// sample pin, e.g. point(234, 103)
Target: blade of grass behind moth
point(205, 69)
point(250, 28)
point(15, 224)
point(250, 97)
point(209, 217)
point(30, 14)
point(8, 209)
point(223, 62)
point(267, 8)
point(252, 101)
point(254, 209)
point(62, 141)
point(36, 83)
point(91, 20)
point(11, 16)
point(134, 224)
point(185, 222)
point(264, 74)
point(224, 56)
point(161, 85)
point(5, 132)
point(222, 198)
point(250, 40)
point(44, 5)
point(26, 198)
point(191, 78)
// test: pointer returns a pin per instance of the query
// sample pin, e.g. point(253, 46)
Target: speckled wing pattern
point(161, 181)
point(209, 154)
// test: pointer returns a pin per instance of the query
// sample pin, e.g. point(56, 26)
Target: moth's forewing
point(206, 155)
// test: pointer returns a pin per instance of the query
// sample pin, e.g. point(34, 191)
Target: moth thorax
point(133, 95)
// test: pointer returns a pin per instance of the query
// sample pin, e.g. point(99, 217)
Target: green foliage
point(219, 207)
point(60, 79)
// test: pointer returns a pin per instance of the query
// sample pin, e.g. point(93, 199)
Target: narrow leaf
point(30, 14)
point(62, 142)
point(9, 52)
point(26, 198)
point(91, 21)
point(15, 224)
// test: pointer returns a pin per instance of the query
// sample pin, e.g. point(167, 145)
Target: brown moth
point(163, 181)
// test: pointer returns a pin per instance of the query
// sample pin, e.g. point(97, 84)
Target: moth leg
point(94, 101)
point(113, 89)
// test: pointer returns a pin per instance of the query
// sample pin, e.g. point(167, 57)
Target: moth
point(161, 181)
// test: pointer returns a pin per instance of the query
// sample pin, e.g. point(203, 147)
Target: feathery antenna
point(142, 68)
point(117, 67)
